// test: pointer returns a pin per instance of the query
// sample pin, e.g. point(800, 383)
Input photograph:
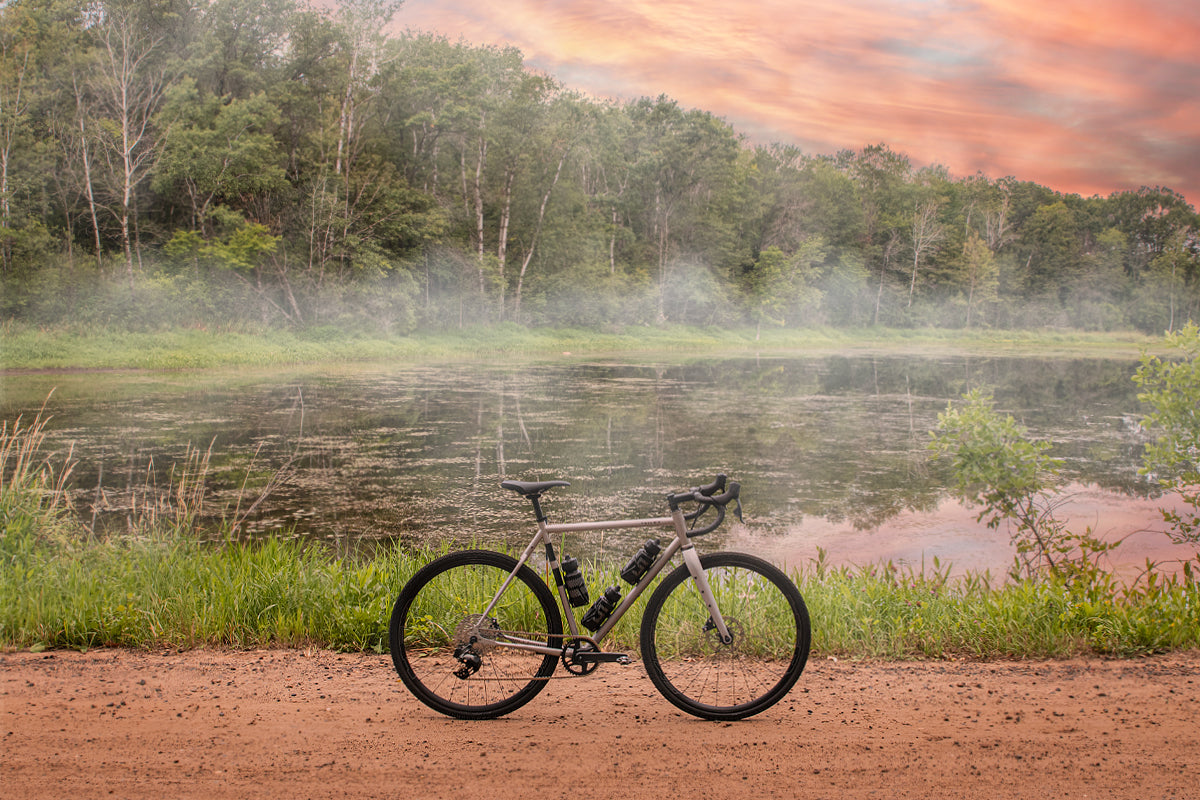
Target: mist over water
point(830, 449)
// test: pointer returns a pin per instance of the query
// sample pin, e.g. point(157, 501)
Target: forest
point(237, 164)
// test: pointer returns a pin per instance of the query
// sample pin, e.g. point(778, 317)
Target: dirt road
point(287, 724)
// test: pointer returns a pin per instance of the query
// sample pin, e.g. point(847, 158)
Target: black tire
point(685, 658)
point(439, 606)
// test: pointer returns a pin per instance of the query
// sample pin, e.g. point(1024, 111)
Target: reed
point(32, 490)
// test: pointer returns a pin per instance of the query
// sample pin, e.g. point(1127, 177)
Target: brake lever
point(704, 509)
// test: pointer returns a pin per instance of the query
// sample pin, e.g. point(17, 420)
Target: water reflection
point(416, 452)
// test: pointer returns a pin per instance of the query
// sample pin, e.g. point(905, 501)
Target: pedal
point(601, 658)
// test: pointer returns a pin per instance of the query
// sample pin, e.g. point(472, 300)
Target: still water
point(830, 449)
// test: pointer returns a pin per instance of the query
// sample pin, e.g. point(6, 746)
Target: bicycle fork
point(692, 559)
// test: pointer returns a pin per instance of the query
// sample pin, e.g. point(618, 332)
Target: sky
point(1082, 96)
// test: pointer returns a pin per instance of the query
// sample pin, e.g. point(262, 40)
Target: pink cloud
point(1088, 97)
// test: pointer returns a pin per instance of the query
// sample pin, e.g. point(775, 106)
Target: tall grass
point(881, 611)
point(159, 585)
point(32, 497)
point(181, 594)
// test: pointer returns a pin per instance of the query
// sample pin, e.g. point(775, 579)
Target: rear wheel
point(683, 652)
point(458, 661)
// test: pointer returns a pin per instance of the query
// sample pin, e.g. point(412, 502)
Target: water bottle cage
point(641, 562)
point(602, 609)
point(572, 579)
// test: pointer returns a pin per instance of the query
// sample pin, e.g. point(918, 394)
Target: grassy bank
point(28, 348)
point(174, 592)
point(165, 584)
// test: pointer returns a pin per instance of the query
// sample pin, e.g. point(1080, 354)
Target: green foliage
point(1052, 238)
point(779, 285)
point(318, 160)
point(996, 466)
point(217, 150)
point(1171, 387)
point(980, 277)
point(242, 249)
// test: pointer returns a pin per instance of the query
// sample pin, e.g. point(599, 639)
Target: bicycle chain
point(468, 623)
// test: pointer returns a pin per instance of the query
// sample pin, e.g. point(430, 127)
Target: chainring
point(570, 648)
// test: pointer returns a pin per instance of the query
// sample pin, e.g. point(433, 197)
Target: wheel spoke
point(766, 617)
point(446, 650)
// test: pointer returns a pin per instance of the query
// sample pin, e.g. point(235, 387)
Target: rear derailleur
point(471, 661)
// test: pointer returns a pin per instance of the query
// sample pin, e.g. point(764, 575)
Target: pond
point(830, 449)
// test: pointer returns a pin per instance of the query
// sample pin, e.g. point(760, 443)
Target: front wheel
point(460, 661)
point(683, 652)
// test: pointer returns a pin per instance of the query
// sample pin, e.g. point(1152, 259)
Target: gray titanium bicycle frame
point(681, 543)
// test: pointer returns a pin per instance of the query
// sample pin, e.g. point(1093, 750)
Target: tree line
point(263, 161)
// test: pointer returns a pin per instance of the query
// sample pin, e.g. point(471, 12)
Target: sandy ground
point(275, 724)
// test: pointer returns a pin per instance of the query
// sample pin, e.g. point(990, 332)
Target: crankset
point(581, 657)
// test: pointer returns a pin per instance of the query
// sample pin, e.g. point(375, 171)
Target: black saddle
point(531, 488)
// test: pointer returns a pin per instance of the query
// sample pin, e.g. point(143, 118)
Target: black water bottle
point(641, 561)
point(577, 591)
point(602, 609)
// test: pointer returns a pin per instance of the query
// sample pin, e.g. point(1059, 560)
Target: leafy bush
point(1171, 387)
point(1014, 479)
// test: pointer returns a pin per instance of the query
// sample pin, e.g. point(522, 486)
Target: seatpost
point(537, 507)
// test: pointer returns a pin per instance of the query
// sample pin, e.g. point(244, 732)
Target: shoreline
point(29, 351)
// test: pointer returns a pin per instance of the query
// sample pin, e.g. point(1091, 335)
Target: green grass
point(880, 612)
point(150, 593)
point(167, 585)
point(26, 347)
point(179, 593)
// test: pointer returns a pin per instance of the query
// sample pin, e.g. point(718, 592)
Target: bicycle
point(477, 634)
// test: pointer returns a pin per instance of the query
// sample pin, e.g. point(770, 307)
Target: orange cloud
point(1089, 96)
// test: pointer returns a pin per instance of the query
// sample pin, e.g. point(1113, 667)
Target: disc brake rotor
point(478, 631)
point(733, 625)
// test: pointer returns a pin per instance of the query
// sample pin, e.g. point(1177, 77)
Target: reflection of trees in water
point(413, 452)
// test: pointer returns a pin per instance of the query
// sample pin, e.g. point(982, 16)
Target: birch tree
point(927, 233)
point(560, 132)
point(129, 80)
point(16, 73)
